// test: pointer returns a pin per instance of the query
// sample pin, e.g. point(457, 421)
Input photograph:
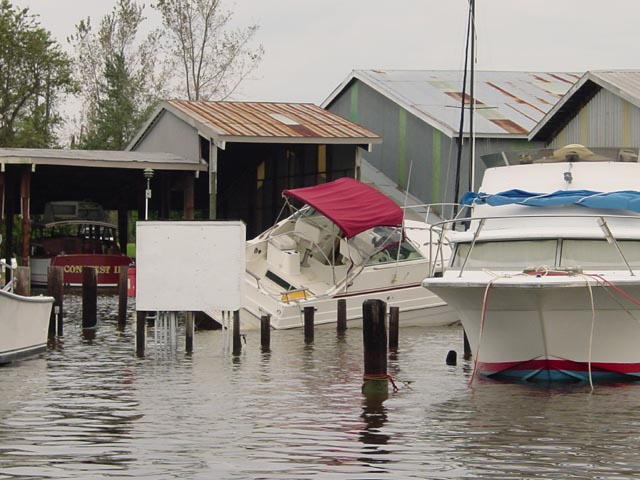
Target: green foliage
point(34, 73)
point(120, 76)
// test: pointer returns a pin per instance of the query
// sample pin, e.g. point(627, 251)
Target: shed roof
point(623, 83)
point(98, 158)
point(508, 104)
point(263, 122)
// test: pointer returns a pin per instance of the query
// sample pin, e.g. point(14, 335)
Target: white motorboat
point(24, 324)
point(346, 242)
point(546, 276)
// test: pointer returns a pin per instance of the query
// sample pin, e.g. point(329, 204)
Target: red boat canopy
point(352, 205)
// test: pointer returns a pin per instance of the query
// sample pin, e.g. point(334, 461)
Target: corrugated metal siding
point(281, 120)
point(429, 153)
point(606, 121)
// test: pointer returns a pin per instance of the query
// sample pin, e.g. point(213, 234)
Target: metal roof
point(263, 122)
point(98, 158)
point(623, 83)
point(508, 104)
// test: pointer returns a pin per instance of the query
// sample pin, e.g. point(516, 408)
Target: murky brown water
point(93, 410)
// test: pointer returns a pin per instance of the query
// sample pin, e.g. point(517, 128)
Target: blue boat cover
point(621, 200)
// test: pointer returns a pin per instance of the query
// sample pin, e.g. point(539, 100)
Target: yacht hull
point(546, 329)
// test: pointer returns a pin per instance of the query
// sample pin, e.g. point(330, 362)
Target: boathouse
point(255, 151)
point(118, 181)
point(418, 113)
point(601, 110)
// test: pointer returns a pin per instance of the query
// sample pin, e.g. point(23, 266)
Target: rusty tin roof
point(508, 104)
point(267, 122)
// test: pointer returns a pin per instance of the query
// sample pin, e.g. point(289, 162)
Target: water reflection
point(92, 409)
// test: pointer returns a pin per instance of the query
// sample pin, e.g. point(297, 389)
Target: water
point(91, 409)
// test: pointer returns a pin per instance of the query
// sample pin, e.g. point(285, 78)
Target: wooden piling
point(394, 327)
point(189, 332)
point(141, 332)
point(374, 334)
point(265, 332)
point(22, 285)
point(309, 314)
point(467, 348)
point(342, 316)
point(237, 339)
point(55, 289)
point(123, 278)
point(452, 357)
point(89, 297)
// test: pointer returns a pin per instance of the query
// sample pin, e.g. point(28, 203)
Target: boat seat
point(349, 253)
point(283, 242)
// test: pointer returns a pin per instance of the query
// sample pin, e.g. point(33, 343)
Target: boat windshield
point(396, 253)
point(518, 255)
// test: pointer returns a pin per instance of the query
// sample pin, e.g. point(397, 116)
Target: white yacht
point(545, 273)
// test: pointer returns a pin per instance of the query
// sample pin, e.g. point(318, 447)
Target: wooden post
point(309, 313)
point(374, 334)
point(22, 285)
point(25, 197)
point(55, 288)
point(188, 332)
point(342, 316)
point(265, 332)
point(237, 340)
point(141, 332)
point(89, 297)
point(123, 278)
point(394, 327)
point(467, 348)
point(452, 357)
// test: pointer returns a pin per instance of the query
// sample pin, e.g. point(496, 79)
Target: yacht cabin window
point(565, 253)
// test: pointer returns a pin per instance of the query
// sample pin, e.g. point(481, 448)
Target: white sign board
point(189, 266)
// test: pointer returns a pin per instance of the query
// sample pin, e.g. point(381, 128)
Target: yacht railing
point(438, 230)
point(8, 287)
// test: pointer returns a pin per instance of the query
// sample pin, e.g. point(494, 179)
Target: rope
point(593, 322)
point(485, 304)
point(381, 376)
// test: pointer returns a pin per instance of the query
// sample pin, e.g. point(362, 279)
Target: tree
point(34, 74)
point(121, 78)
point(212, 59)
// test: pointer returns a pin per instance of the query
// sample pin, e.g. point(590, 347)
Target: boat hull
point(24, 325)
point(548, 331)
point(418, 307)
point(108, 266)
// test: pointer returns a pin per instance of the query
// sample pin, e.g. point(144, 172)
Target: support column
point(123, 226)
point(188, 196)
point(25, 194)
point(213, 180)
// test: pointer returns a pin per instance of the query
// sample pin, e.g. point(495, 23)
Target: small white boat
point(346, 242)
point(546, 279)
point(24, 324)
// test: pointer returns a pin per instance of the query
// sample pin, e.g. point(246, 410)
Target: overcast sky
point(311, 46)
